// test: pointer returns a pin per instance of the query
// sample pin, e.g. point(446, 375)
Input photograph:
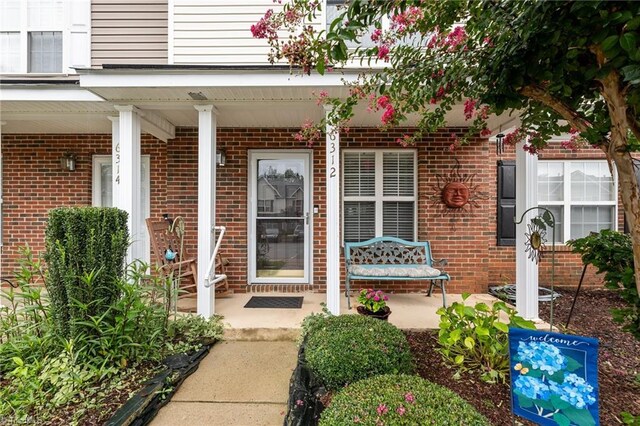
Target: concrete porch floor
point(409, 311)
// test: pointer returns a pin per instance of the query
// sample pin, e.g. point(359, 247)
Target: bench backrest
point(388, 251)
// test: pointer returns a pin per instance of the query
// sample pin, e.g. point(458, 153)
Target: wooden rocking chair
point(172, 258)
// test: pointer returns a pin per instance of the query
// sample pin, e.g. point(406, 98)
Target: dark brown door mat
point(275, 302)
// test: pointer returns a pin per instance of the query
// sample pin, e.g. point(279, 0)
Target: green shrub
point(611, 253)
point(399, 400)
point(43, 373)
point(82, 241)
point(190, 331)
point(474, 337)
point(347, 348)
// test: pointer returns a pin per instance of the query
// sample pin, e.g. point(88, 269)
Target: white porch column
point(207, 125)
point(526, 197)
point(333, 217)
point(126, 175)
point(115, 157)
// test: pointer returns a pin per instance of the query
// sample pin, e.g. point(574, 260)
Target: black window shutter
point(506, 202)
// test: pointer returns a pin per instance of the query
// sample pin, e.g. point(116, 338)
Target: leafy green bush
point(190, 331)
point(82, 241)
point(474, 337)
point(611, 252)
point(42, 372)
point(347, 348)
point(399, 400)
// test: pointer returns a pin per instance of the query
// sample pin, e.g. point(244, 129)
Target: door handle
point(306, 218)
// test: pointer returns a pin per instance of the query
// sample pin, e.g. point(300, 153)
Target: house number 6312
point(332, 150)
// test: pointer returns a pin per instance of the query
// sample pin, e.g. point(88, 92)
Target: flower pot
point(382, 314)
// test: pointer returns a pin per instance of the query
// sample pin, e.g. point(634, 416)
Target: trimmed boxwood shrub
point(399, 400)
point(85, 252)
point(346, 348)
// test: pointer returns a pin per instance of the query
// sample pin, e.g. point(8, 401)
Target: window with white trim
point(582, 195)
point(378, 194)
point(44, 36)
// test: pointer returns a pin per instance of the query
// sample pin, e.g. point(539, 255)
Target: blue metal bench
point(388, 258)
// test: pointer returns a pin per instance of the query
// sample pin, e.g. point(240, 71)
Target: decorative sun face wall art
point(456, 193)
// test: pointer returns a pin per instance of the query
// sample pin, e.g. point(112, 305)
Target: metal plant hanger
point(536, 237)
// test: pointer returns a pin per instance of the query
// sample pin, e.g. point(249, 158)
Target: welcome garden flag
point(554, 377)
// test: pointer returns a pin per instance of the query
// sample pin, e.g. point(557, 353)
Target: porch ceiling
point(240, 103)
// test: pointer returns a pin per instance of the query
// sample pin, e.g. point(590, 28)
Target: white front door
point(103, 197)
point(279, 219)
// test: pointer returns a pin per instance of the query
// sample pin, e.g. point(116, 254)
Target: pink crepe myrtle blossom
point(383, 101)
point(322, 97)
point(264, 27)
point(299, 403)
point(485, 132)
point(469, 108)
point(409, 398)
point(383, 52)
point(388, 115)
point(376, 35)
point(401, 410)
point(514, 137)
point(483, 112)
point(403, 21)
point(455, 38)
point(531, 149)
point(382, 409)
point(404, 141)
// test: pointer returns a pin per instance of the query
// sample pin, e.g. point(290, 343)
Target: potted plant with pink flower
point(373, 303)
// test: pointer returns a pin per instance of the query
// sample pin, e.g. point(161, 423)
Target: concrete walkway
point(240, 383)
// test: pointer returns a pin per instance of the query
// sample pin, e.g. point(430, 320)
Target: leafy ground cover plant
point(43, 373)
point(475, 338)
point(347, 348)
point(611, 252)
point(399, 400)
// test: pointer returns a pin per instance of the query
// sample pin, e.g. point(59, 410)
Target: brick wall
point(34, 183)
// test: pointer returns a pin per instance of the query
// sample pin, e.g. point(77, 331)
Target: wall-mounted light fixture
point(221, 157)
point(68, 161)
point(500, 143)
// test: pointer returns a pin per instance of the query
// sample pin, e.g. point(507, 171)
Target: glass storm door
point(279, 199)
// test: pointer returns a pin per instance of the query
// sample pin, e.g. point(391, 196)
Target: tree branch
point(633, 124)
point(537, 93)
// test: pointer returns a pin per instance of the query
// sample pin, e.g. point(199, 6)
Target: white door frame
point(252, 211)
point(145, 161)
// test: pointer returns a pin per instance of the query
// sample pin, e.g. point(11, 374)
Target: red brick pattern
point(35, 183)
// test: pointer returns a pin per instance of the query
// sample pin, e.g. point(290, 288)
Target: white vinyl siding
point(44, 36)
point(129, 32)
point(379, 194)
point(219, 32)
point(581, 194)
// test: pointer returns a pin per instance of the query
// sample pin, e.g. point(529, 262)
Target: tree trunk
point(630, 194)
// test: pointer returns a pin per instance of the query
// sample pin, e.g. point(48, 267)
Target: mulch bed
point(619, 360)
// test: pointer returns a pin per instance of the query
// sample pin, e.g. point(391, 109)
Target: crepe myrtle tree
point(562, 67)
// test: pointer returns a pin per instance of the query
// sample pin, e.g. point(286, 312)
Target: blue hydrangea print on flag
point(554, 377)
